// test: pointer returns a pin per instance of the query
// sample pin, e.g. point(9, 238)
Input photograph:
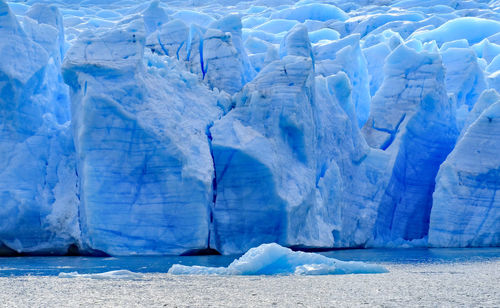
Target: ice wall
point(160, 128)
point(264, 159)
point(143, 155)
point(38, 199)
point(466, 204)
point(413, 120)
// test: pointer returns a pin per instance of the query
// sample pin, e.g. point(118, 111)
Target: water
point(416, 278)
point(52, 266)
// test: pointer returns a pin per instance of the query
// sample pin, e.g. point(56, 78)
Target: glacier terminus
point(174, 127)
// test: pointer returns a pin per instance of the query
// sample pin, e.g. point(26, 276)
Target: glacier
point(166, 127)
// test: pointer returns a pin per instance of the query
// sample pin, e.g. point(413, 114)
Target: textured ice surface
point(413, 121)
point(466, 205)
point(143, 154)
point(273, 259)
point(38, 211)
point(345, 55)
point(265, 168)
point(133, 127)
point(472, 29)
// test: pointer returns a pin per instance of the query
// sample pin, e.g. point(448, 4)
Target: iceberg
point(273, 259)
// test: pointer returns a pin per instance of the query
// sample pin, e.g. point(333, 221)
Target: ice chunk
point(154, 16)
point(375, 55)
point(494, 65)
point(466, 203)
point(486, 99)
point(350, 174)
point(494, 80)
point(238, 65)
point(144, 160)
point(495, 38)
point(256, 45)
point(412, 119)
point(486, 50)
point(472, 29)
point(252, 145)
point(49, 15)
point(217, 55)
point(390, 38)
point(170, 40)
point(464, 78)
point(323, 34)
point(272, 259)
point(193, 17)
point(296, 43)
point(312, 11)
point(405, 28)
point(365, 24)
point(253, 21)
point(276, 26)
point(263, 35)
point(223, 66)
point(346, 55)
point(462, 43)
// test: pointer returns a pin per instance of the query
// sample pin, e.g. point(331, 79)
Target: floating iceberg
point(272, 259)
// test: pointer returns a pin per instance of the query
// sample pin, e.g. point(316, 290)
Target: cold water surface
point(52, 266)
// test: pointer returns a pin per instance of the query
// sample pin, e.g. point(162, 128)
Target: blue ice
point(273, 259)
point(131, 127)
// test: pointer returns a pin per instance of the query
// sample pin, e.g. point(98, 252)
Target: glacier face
point(465, 202)
point(158, 128)
point(412, 120)
point(143, 155)
point(38, 180)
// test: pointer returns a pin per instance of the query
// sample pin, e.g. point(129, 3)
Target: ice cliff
point(162, 128)
point(143, 154)
point(38, 180)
